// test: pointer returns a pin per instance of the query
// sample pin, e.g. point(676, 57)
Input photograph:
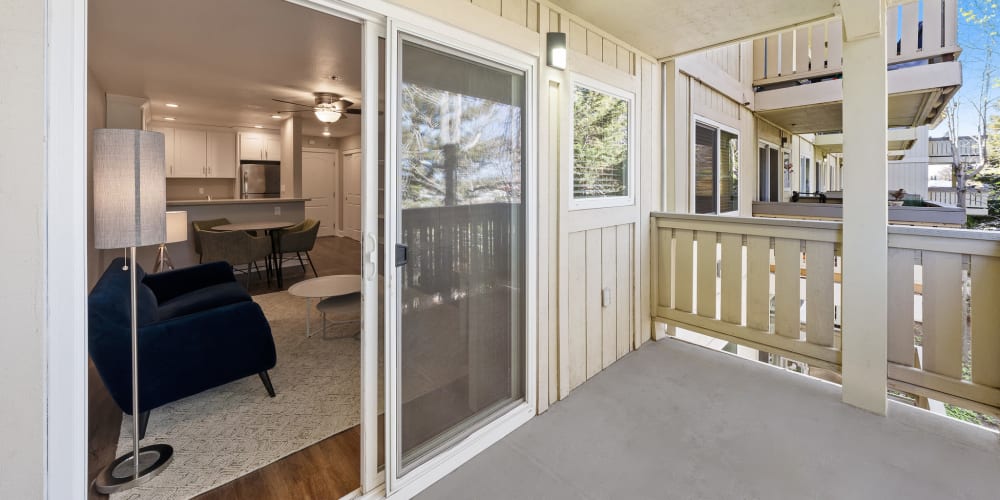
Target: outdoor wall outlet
point(200, 191)
point(277, 210)
point(606, 297)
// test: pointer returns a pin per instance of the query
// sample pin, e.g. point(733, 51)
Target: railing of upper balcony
point(774, 285)
point(942, 148)
point(974, 198)
point(920, 30)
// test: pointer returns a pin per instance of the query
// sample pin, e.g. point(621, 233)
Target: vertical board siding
point(985, 320)
point(577, 348)
point(900, 302)
point(787, 287)
point(707, 251)
point(942, 314)
point(599, 335)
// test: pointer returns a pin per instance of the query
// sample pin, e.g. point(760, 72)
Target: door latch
point(402, 254)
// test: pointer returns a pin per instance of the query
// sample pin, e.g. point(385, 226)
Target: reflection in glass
point(600, 144)
point(462, 219)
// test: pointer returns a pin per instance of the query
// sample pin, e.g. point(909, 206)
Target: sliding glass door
point(459, 341)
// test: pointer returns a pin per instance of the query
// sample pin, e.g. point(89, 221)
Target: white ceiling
point(223, 61)
point(664, 28)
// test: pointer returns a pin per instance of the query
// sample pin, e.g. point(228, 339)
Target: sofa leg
point(266, 379)
point(143, 422)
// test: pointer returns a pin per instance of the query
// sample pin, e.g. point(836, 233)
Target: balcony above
point(798, 73)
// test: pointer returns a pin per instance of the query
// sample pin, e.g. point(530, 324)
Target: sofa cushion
point(203, 299)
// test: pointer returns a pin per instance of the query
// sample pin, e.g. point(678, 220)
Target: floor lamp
point(176, 231)
point(129, 212)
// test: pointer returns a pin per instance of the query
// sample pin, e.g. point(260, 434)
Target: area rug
point(229, 431)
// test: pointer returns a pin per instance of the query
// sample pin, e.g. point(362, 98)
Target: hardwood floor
point(328, 469)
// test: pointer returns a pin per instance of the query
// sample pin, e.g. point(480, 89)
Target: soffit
point(224, 60)
point(665, 28)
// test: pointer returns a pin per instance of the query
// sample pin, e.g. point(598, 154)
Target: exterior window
point(602, 156)
point(717, 168)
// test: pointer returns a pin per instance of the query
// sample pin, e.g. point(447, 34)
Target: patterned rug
point(227, 432)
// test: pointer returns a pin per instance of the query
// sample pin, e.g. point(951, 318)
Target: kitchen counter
point(234, 201)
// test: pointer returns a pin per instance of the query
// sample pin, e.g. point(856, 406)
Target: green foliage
point(973, 417)
point(600, 144)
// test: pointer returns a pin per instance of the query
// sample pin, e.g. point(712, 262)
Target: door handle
point(402, 255)
point(372, 253)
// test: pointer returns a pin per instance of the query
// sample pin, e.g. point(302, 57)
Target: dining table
point(272, 229)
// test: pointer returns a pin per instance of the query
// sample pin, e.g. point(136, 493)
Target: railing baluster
point(986, 320)
point(758, 282)
point(707, 252)
point(942, 313)
point(684, 262)
point(933, 17)
point(664, 285)
point(900, 302)
point(819, 292)
point(787, 290)
point(732, 278)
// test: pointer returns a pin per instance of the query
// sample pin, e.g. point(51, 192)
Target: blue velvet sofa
point(198, 329)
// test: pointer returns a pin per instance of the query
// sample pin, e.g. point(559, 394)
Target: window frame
point(577, 80)
point(693, 181)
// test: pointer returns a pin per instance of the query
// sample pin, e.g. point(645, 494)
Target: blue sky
point(970, 38)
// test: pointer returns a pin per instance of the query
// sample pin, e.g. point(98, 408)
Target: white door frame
point(460, 43)
point(65, 281)
point(335, 199)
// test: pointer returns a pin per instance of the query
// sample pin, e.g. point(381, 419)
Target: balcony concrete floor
point(673, 420)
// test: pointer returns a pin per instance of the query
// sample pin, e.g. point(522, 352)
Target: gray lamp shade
point(129, 188)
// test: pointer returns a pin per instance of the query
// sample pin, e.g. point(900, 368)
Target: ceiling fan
point(329, 107)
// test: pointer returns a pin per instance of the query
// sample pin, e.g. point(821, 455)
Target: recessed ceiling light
point(258, 126)
point(169, 118)
point(172, 105)
point(276, 117)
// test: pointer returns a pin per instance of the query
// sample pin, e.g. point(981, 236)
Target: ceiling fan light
point(327, 115)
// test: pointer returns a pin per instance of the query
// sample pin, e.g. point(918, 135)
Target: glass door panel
point(460, 344)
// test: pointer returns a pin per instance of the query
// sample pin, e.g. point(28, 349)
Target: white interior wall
point(96, 116)
point(22, 163)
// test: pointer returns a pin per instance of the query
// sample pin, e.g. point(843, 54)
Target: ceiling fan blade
point(352, 111)
point(294, 103)
point(293, 111)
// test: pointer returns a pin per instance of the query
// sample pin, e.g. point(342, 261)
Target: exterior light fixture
point(555, 43)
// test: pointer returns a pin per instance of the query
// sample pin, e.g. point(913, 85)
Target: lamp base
point(120, 474)
point(163, 260)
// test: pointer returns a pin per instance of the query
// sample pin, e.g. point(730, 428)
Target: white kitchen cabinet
point(190, 153)
point(258, 147)
point(221, 147)
point(168, 145)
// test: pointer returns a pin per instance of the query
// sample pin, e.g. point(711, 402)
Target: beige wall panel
point(534, 13)
point(516, 11)
point(491, 5)
point(609, 53)
point(592, 302)
point(623, 238)
point(577, 349)
point(577, 37)
point(595, 45)
point(942, 313)
point(609, 280)
point(555, 21)
point(624, 60)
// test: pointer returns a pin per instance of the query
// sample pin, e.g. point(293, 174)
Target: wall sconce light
point(555, 43)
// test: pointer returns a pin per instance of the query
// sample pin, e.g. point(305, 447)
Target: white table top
point(255, 226)
point(327, 286)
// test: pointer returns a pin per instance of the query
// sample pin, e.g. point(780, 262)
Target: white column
point(865, 211)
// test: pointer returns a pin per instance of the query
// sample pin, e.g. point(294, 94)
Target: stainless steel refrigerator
point(260, 179)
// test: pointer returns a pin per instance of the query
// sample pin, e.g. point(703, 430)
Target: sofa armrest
point(170, 284)
point(189, 354)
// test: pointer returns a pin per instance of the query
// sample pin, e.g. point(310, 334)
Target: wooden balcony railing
point(747, 280)
point(919, 30)
point(719, 276)
point(945, 345)
point(974, 198)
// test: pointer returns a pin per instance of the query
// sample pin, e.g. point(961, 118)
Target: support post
point(865, 123)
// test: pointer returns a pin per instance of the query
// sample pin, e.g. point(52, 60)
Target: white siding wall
point(910, 173)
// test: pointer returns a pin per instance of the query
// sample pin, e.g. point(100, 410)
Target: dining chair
point(300, 238)
point(238, 248)
point(204, 225)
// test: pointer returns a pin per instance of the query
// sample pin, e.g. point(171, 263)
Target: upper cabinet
point(257, 147)
point(222, 154)
point(192, 153)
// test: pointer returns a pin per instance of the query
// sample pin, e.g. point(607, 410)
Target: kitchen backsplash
point(188, 189)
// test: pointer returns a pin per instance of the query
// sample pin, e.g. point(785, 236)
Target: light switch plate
point(277, 211)
point(200, 191)
point(606, 296)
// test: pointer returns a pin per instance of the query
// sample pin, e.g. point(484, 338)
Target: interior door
point(319, 169)
point(352, 195)
point(457, 343)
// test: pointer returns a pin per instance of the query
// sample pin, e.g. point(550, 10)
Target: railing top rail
point(943, 232)
point(760, 221)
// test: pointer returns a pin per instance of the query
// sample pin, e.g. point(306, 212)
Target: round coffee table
point(324, 287)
